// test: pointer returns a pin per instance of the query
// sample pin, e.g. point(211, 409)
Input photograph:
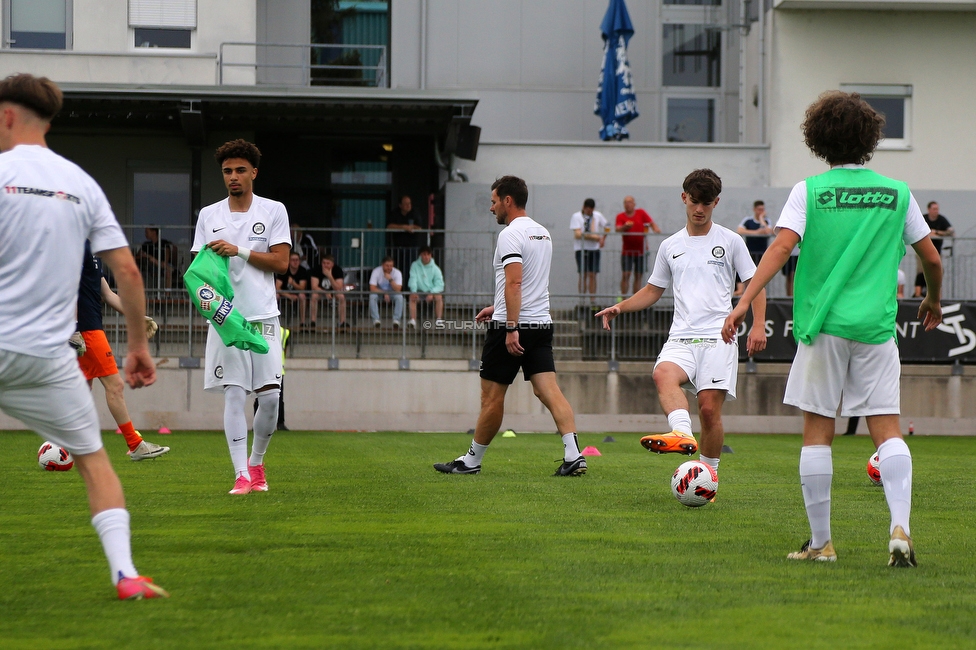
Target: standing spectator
point(157, 260)
point(427, 281)
point(408, 236)
point(634, 223)
point(789, 270)
point(327, 284)
point(292, 285)
point(757, 230)
point(939, 225)
point(304, 243)
point(387, 281)
point(589, 235)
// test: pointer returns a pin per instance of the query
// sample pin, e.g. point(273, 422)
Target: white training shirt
point(378, 279)
point(701, 270)
point(597, 224)
point(794, 215)
point(264, 225)
point(48, 208)
point(526, 241)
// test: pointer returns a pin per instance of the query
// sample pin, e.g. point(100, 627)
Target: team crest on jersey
point(257, 228)
point(219, 372)
point(718, 252)
point(206, 292)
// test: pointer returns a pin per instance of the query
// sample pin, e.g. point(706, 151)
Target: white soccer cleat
point(147, 449)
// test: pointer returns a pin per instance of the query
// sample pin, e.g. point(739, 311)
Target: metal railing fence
point(316, 64)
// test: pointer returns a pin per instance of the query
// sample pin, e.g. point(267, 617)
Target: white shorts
point(52, 397)
point(711, 364)
point(230, 366)
point(867, 375)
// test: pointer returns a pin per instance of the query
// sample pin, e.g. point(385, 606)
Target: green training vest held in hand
point(846, 280)
point(207, 280)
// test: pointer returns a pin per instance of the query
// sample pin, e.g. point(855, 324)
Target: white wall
point(932, 51)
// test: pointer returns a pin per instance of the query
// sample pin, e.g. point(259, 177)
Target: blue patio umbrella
point(616, 103)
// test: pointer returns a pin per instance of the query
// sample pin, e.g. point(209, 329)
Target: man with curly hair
point(852, 225)
point(253, 232)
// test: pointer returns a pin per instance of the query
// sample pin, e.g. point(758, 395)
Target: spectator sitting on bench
point(292, 286)
point(427, 281)
point(386, 281)
point(157, 260)
point(327, 284)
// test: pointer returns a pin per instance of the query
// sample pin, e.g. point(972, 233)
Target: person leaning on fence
point(756, 229)
point(635, 223)
point(327, 284)
point(427, 283)
point(292, 286)
point(386, 281)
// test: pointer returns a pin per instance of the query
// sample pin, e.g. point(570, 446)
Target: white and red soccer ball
point(694, 483)
point(54, 458)
point(874, 469)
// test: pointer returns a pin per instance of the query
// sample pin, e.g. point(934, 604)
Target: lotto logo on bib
point(856, 198)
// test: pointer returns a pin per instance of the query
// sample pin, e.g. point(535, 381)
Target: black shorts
point(790, 267)
point(633, 263)
point(499, 366)
point(590, 258)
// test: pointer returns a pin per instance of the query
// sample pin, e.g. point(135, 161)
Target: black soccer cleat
point(572, 468)
point(456, 467)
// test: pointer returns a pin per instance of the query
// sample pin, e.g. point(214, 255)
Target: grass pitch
point(361, 544)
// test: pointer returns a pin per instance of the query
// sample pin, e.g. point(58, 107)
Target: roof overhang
point(317, 110)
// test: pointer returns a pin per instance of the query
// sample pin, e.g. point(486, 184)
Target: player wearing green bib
point(852, 225)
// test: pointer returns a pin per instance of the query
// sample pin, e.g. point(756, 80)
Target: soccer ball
point(54, 458)
point(874, 470)
point(694, 483)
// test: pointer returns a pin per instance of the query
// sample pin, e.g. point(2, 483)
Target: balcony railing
point(316, 64)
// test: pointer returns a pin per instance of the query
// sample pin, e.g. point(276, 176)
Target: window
point(894, 101)
point(692, 56)
point(350, 42)
point(690, 119)
point(167, 23)
point(711, 3)
point(37, 24)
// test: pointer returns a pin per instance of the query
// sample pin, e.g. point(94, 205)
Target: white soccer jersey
point(48, 208)
point(261, 227)
point(594, 224)
point(794, 215)
point(701, 271)
point(528, 242)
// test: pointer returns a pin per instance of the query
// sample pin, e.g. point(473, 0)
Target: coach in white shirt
point(48, 208)
point(253, 232)
point(519, 331)
point(700, 263)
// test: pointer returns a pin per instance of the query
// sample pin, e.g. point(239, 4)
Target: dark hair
point(589, 203)
point(386, 259)
point(931, 203)
point(702, 185)
point(238, 149)
point(294, 251)
point(514, 187)
point(841, 128)
point(39, 95)
point(425, 249)
point(756, 204)
point(404, 196)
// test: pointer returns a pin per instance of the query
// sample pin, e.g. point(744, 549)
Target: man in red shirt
point(634, 222)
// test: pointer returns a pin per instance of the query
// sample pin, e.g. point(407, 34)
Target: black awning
point(197, 109)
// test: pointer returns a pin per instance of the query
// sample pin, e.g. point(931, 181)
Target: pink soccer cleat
point(241, 486)
point(258, 482)
point(139, 588)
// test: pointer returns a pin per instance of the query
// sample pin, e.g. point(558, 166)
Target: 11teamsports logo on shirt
point(856, 198)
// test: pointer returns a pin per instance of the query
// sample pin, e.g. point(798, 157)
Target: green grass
point(361, 544)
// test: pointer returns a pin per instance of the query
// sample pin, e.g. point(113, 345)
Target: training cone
point(164, 430)
point(727, 450)
point(591, 451)
point(470, 432)
point(508, 434)
point(118, 431)
point(609, 439)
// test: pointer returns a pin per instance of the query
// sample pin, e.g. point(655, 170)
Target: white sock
point(711, 462)
point(235, 428)
point(112, 527)
point(680, 420)
point(475, 453)
point(816, 472)
point(265, 423)
point(895, 463)
point(571, 450)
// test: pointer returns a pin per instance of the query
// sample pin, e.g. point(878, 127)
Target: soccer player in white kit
point(253, 232)
point(48, 208)
point(700, 263)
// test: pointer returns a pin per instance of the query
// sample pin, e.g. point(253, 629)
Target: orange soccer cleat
point(670, 443)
